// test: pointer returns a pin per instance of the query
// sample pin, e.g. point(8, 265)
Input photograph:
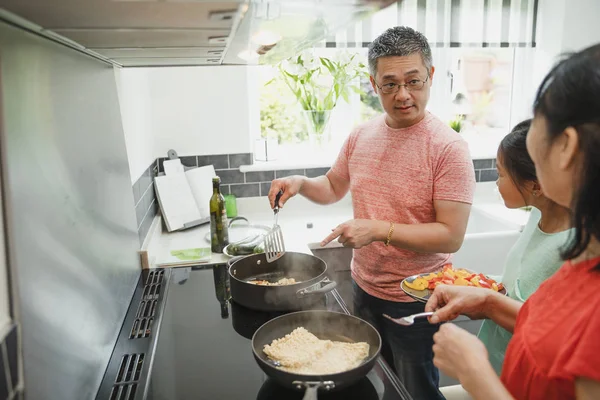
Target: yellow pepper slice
point(461, 282)
point(430, 276)
point(462, 273)
point(418, 284)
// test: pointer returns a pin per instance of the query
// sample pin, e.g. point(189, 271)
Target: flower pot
point(317, 126)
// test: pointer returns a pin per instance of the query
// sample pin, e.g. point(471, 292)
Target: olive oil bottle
point(219, 235)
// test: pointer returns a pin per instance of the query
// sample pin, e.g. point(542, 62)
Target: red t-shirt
point(557, 336)
point(396, 175)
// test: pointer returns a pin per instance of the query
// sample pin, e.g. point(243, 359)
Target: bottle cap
point(216, 179)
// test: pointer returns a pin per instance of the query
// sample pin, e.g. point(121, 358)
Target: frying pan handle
point(329, 286)
point(233, 260)
point(313, 387)
point(311, 393)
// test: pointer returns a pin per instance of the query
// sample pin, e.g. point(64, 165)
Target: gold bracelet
point(390, 232)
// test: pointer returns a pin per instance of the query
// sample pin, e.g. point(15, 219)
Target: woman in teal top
point(536, 254)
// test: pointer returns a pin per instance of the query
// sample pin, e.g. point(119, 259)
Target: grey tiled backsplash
point(288, 172)
point(315, 172)
point(260, 176)
point(146, 205)
point(245, 189)
point(237, 160)
point(487, 175)
point(249, 184)
point(229, 176)
point(264, 188)
point(219, 161)
point(483, 164)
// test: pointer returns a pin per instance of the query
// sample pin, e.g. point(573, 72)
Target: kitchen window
point(482, 74)
point(281, 117)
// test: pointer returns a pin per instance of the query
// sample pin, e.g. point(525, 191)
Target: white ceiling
point(178, 32)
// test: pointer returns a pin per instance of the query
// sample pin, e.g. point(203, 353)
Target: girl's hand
point(458, 353)
point(449, 302)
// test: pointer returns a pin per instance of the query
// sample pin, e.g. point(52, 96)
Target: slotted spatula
point(274, 246)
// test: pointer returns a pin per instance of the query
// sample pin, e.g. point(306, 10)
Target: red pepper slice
point(484, 284)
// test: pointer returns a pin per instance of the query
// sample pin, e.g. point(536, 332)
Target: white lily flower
point(325, 80)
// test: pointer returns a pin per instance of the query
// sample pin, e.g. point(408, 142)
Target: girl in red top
point(555, 350)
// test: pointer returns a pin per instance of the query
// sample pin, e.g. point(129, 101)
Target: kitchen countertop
point(294, 219)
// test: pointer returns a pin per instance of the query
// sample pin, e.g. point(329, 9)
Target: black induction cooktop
point(203, 349)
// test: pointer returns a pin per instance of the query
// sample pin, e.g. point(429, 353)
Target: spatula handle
point(277, 198)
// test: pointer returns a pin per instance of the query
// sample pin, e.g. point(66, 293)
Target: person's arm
point(587, 389)
point(503, 310)
point(443, 236)
point(453, 191)
point(461, 355)
point(326, 189)
point(484, 384)
point(448, 302)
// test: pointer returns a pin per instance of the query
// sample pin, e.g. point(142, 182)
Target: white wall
point(203, 110)
point(561, 27)
point(581, 28)
point(193, 110)
point(136, 111)
point(564, 26)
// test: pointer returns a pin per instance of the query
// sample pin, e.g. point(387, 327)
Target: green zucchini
point(259, 249)
point(246, 246)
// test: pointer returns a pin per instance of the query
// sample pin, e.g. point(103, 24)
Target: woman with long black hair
point(555, 349)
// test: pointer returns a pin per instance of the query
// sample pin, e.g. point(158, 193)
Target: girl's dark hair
point(569, 96)
point(514, 155)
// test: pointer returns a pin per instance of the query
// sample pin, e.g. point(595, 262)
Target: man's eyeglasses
point(411, 86)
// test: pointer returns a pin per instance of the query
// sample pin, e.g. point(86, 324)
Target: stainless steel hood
point(136, 33)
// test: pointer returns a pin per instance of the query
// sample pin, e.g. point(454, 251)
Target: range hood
point(147, 33)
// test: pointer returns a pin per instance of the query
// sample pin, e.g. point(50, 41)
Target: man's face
point(405, 107)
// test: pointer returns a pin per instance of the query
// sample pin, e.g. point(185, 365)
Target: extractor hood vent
point(215, 40)
point(222, 15)
point(138, 33)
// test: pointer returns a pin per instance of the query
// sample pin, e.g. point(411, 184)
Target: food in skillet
point(281, 282)
point(303, 353)
point(450, 276)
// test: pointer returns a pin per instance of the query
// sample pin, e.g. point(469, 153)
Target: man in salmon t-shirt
point(412, 180)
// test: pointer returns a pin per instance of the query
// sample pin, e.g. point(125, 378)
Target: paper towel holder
point(172, 155)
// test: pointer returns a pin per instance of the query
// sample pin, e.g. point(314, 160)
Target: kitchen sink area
point(486, 234)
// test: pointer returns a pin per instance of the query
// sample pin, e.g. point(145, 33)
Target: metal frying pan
point(325, 325)
point(310, 273)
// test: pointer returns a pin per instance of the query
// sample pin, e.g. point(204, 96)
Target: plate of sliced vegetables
point(420, 287)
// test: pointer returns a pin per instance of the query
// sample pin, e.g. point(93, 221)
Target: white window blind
point(449, 23)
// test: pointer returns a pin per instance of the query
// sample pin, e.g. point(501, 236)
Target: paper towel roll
point(173, 167)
